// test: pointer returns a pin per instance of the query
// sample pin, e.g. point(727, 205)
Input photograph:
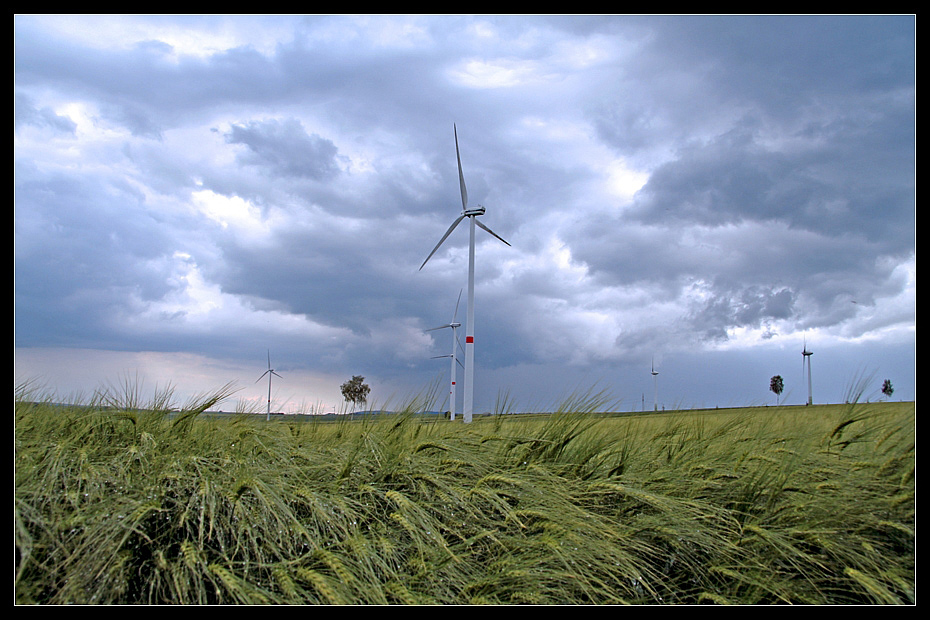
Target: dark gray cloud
point(286, 149)
point(747, 307)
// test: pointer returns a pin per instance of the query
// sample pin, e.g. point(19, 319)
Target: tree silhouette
point(777, 385)
point(355, 390)
point(887, 388)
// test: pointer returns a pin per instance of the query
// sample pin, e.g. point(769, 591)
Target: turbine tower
point(472, 215)
point(455, 346)
point(806, 359)
point(655, 381)
point(268, 372)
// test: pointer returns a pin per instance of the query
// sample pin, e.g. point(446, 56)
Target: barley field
point(123, 502)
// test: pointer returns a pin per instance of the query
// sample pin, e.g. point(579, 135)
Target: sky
point(700, 195)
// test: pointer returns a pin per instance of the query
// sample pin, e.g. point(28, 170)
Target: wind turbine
point(472, 215)
point(806, 359)
point(455, 346)
point(268, 372)
point(655, 381)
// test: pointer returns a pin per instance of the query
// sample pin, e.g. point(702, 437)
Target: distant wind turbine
point(268, 372)
point(472, 214)
point(455, 346)
point(655, 374)
point(806, 359)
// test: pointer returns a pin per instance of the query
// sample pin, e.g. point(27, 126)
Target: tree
point(887, 388)
point(777, 385)
point(355, 390)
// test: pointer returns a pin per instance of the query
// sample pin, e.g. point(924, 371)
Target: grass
point(120, 503)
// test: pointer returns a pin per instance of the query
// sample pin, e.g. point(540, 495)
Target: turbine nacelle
point(268, 372)
point(479, 210)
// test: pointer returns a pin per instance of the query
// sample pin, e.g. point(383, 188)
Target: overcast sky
point(701, 195)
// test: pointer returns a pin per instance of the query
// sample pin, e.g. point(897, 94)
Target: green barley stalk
point(121, 501)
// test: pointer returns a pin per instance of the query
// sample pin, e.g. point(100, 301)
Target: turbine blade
point(456, 313)
point(436, 357)
point(276, 374)
point(263, 376)
point(444, 237)
point(461, 176)
point(432, 329)
point(485, 228)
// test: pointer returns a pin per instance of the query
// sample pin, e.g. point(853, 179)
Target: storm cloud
point(674, 188)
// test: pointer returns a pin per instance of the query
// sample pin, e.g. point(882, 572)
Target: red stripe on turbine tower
point(469, 340)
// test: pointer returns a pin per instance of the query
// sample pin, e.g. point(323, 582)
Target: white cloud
point(233, 212)
point(499, 73)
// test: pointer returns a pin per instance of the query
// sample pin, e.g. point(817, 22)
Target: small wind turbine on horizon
point(454, 325)
point(472, 214)
point(269, 372)
point(806, 360)
point(655, 380)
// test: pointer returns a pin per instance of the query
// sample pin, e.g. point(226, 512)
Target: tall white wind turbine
point(268, 372)
point(472, 214)
point(806, 360)
point(454, 325)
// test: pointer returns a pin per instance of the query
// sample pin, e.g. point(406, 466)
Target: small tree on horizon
point(777, 385)
point(887, 388)
point(355, 390)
